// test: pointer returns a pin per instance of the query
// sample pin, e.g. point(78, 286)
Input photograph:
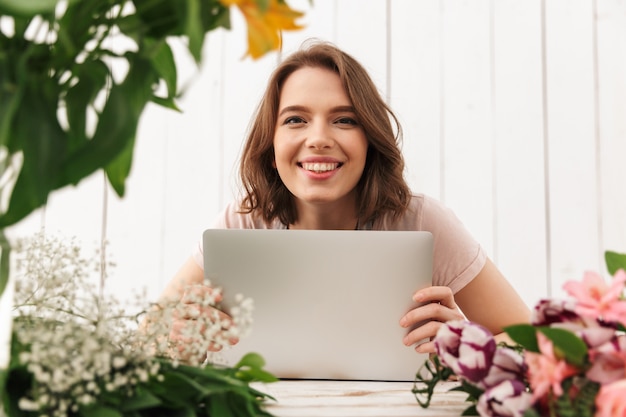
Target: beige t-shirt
point(457, 256)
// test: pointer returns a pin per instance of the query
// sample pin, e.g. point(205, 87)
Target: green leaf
point(250, 368)
point(214, 15)
point(163, 62)
point(525, 335)
point(118, 170)
point(251, 360)
point(142, 399)
point(181, 388)
point(168, 103)
point(194, 29)
point(10, 101)
point(615, 261)
point(470, 411)
point(44, 147)
point(218, 406)
point(5, 263)
point(92, 77)
point(116, 129)
point(160, 18)
point(27, 8)
point(97, 410)
point(572, 347)
point(4, 374)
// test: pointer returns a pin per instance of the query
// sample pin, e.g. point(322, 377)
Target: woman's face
point(320, 147)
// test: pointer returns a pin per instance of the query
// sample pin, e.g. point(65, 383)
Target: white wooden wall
point(513, 114)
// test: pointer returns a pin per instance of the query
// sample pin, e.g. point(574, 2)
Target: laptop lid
point(327, 304)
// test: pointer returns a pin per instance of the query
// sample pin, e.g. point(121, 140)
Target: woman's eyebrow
point(343, 109)
point(293, 109)
point(297, 108)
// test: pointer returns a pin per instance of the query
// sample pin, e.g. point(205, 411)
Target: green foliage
point(430, 374)
point(525, 335)
point(182, 391)
point(57, 69)
point(566, 343)
point(580, 405)
point(615, 261)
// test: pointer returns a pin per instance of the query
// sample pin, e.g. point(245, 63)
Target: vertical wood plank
point(362, 32)
point(573, 192)
point(611, 62)
point(467, 137)
point(415, 89)
point(519, 192)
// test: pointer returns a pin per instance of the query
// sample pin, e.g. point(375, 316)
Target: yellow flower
point(265, 23)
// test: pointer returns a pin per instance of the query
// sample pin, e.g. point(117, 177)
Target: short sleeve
point(457, 256)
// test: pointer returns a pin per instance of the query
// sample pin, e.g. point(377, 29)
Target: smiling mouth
point(319, 167)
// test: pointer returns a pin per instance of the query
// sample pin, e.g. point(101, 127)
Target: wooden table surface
point(304, 398)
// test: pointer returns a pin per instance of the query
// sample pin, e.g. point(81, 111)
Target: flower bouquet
point(569, 361)
point(77, 352)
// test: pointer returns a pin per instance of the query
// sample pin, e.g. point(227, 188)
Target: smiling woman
point(323, 154)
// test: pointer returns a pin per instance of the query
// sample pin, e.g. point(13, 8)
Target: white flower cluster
point(206, 331)
point(81, 345)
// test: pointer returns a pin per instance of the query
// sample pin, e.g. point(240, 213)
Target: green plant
point(76, 76)
point(77, 352)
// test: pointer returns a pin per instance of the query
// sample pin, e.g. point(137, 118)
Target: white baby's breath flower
point(82, 343)
point(119, 362)
point(27, 405)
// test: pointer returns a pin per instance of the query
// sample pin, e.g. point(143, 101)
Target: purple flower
point(562, 314)
point(507, 399)
point(507, 365)
point(551, 311)
point(466, 348)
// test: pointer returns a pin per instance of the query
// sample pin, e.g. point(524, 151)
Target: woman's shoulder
point(422, 211)
point(234, 217)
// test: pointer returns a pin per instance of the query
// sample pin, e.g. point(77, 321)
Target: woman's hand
point(197, 326)
point(436, 306)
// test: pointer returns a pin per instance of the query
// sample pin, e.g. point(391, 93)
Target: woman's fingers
point(439, 294)
point(436, 306)
point(196, 311)
point(189, 331)
point(428, 312)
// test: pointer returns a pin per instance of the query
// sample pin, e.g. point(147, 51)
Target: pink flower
point(597, 299)
point(611, 401)
point(608, 361)
point(545, 370)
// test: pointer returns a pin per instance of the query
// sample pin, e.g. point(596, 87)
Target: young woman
point(323, 153)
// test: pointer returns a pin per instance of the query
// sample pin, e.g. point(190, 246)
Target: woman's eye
point(293, 120)
point(347, 121)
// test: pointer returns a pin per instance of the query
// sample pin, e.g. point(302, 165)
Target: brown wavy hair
point(381, 189)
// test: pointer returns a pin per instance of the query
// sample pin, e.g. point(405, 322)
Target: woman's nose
point(319, 136)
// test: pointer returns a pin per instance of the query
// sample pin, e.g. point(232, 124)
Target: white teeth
point(319, 166)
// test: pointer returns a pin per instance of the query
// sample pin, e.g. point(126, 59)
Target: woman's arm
point(186, 293)
point(188, 274)
point(488, 299)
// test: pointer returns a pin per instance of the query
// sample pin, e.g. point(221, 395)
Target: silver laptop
point(327, 304)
